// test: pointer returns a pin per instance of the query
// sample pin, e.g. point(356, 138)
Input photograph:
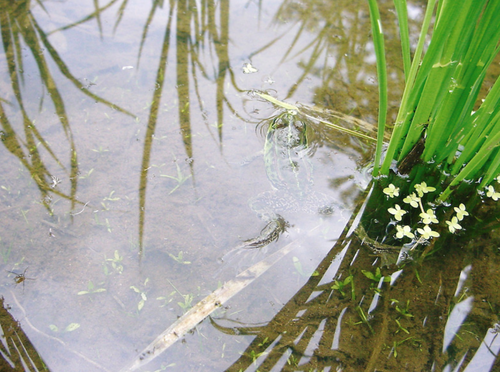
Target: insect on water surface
point(20, 278)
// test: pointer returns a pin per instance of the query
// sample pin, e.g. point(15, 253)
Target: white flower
point(397, 212)
point(461, 212)
point(404, 231)
point(391, 191)
point(428, 217)
point(492, 193)
point(422, 188)
point(453, 225)
point(498, 178)
point(412, 199)
point(426, 232)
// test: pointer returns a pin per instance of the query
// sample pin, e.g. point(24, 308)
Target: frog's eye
point(299, 125)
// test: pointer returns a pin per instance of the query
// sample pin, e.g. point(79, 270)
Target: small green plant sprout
point(115, 263)
point(91, 289)
point(397, 212)
point(364, 319)
point(293, 361)
point(24, 213)
point(255, 355)
point(166, 299)
point(6, 188)
point(391, 191)
point(188, 298)
point(188, 302)
point(85, 176)
point(375, 276)
point(400, 327)
point(405, 311)
point(180, 258)
point(264, 342)
point(106, 223)
point(69, 328)
point(180, 177)
point(394, 349)
point(110, 198)
point(143, 295)
point(298, 267)
point(100, 150)
point(342, 284)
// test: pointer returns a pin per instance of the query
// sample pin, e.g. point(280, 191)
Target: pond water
point(132, 145)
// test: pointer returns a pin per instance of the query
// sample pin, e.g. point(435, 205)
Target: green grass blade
point(405, 112)
point(402, 13)
point(473, 165)
point(378, 42)
point(492, 171)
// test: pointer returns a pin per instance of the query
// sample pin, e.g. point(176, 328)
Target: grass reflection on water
point(165, 180)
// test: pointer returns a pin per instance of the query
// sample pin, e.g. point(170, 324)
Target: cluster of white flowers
point(428, 216)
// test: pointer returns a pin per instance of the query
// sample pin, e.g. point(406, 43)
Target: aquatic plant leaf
point(71, 327)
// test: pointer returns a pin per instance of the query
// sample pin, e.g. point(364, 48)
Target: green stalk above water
point(378, 42)
point(445, 144)
point(441, 91)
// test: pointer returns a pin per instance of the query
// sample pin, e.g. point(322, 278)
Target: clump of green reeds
point(439, 113)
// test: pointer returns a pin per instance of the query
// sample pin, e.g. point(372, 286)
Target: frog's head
point(288, 131)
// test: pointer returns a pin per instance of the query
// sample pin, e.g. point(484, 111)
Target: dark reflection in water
point(130, 152)
point(17, 350)
point(355, 316)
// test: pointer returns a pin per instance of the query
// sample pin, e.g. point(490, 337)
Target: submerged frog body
point(289, 170)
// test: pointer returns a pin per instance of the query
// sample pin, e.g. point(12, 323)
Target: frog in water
point(289, 170)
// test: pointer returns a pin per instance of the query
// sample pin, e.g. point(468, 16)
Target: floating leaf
point(71, 327)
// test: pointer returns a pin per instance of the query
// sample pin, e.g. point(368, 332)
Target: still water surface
point(131, 150)
point(138, 152)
